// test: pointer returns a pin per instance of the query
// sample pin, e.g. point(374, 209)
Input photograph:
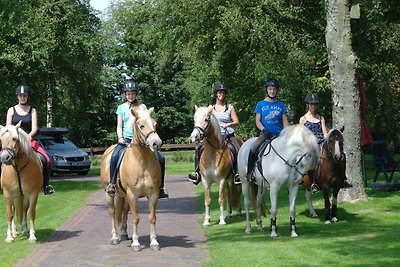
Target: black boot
point(250, 166)
point(347, 183)
point(195, 177)
point(47, 189)
point(163, 192)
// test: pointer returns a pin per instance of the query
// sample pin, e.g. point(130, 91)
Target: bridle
point(202, 132)
point(143, 136)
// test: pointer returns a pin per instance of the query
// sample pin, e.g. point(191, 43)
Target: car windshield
point(59, 144)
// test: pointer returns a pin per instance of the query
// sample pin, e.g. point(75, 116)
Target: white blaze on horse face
point(337, 149)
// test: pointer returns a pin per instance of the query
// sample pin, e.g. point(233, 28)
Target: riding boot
point(110, 190)
point(47, 189)
point(314, 188)
point(195, 177)
point(163, 192)
point(250, 166)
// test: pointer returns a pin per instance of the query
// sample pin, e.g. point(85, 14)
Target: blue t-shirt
point(124, 111)
point(271, 115)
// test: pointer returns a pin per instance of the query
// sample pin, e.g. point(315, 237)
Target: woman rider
point(125, 135)
point(28, 116)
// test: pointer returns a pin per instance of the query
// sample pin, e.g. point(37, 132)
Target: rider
point(28, 116)
point(316, 123)
point(271, 118)
point(227, 119)
point(125, 134)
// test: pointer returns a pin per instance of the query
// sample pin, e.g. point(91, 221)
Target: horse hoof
point(274, 234)
point(9, 240)
point(327, 222)
point(335, 220)
point(314, 216)
point(136, 248)
point(223, 223)
point(115, 241)
point(124, 237)
point(206, 224)
point(155, 247)
point(294, 234)
point(247, 231)
point(32, 240)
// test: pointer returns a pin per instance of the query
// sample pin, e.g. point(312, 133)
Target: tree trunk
point(346, 100)
point(49, 106)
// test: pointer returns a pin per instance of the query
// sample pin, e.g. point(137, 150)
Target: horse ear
point(196, 107)
point(342, 129)
point(135, 113)
point(151, 110)
point(209, 109)
point(18, 125)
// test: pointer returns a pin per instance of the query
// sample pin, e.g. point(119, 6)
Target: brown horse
point(139, 176)
point(329, 175)
point(215, 164)
point(21, 180)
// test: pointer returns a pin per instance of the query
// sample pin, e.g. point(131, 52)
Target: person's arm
point(285, 120)
point(259, 125)
point(234, 118)
point(323, 126)
point(302, 120)
point(119, 129)
point(10, 113)
point(34, 124)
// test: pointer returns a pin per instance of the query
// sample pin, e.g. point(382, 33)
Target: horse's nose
point(194, 136)
point(6, 158)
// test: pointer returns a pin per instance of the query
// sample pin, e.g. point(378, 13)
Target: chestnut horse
point(330, 174)
point(139, 176)
point(215, 164)
point(285, 161)
point(21, 180)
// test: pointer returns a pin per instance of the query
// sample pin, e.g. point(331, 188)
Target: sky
point(100, 5)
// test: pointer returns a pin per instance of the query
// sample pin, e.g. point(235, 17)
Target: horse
point(329, 175)
point(215, 164)
point(139, 176)
point(285, 159)
point(21, 180)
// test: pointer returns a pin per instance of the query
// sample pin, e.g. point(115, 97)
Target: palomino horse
point(139, 176)
point(21, 180)
point(215, 163)
point(330, 174)
point(285, 160)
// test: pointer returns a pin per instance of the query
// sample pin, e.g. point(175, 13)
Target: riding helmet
point(219, 87)
point(311, 98)
point(130, 86)
point(272, 82)
point(22, 89)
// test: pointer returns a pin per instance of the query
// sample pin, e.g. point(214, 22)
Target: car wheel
point(84, 173)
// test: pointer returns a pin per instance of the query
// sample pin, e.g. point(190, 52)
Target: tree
point(346, 101)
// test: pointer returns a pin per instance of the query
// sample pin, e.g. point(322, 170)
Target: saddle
point(121, 154)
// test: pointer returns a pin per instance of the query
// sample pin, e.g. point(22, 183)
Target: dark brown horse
point(329, 175)
point(21, 180)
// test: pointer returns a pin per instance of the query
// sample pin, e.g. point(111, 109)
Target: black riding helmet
point(311, 98)
point(22, 89)
point(271, 82)
point(130, 86)
point(219, 87)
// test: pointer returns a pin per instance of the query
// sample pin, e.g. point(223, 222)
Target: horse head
point(202, 120)
point(10, 137)
point(333, 144)
point(145, 128)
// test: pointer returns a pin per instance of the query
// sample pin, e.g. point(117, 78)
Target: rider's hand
point(121, 140)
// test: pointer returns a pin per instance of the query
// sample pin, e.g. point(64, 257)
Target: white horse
point(285, 161)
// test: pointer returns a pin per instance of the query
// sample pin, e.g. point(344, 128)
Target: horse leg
point(229, 197)
point(221, 199)
point(327, 206)
point(245, 190)
point(121, 219)
point(334, 205)
point(24, 223)
point(207, 201)
point(32, 216)
point(10, 217)
point(260, 198)
point(154, 245)
point(313, 213)
point(135, 220)
point(293, 189)
point(111, 212)
point(273, 198)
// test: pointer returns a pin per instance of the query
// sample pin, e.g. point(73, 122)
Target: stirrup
point(163, 193)
point(48, 190)
point(194, 178)
point(314, 188)
point(236, 179)
point(110, 190)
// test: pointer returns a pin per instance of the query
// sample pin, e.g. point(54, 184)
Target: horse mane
point(25, 145)
point(216, 128)
point(302, 136)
